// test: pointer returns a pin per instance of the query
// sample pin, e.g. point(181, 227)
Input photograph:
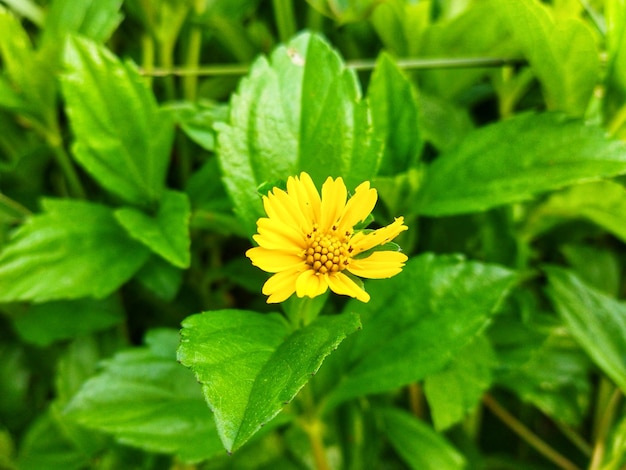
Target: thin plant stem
point(575, 439)
point(190, 82)
point(531, 438)
point(147, 56)
point(166, 60)
point(285, 19)
point(64, 161)
point(407, 64)
point(314, 429)
point(599, 447)
point(416, 400)
point(13, 207)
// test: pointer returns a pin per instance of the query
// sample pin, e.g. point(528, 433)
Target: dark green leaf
point(73, 249)
point(457, 389)
point(167, 233)
point(596, 321)
point(418, 321)
point(160, 277)
point(418, 444)
point(43, 324)
point(515, 159)
point(122, 138)
point(300, 111)
point(395, 116)
point(251, 365)
point(149, 401)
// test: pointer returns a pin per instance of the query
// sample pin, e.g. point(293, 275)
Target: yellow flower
point(310, 243)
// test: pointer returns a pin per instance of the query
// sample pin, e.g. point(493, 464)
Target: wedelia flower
point(310, 243)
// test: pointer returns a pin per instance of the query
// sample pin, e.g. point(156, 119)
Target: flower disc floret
point(310, 245)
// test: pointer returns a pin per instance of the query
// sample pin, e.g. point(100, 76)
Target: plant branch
point(531, 438)
point(603, 430)
point(407, 64)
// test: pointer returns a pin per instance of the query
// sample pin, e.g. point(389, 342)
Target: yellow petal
point(311, 284)
point(279, 205)
point(358, 207)
point(378, 265)
point(281, 285)
point(305, 193)
point(334, 194)
point(275, 235)
point(342, 284)
point(273, 261)
point(361, 242)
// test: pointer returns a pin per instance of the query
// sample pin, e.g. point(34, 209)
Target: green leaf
point(94, 19)
point(167, 232)
point(419, 321)
point(541, 364)
point(146, 399)
point(418, 444)
point(251, 365)
point(160, 277)
point(43, 324)
point(513, 160)
point(563, 55)
point(54, 442)
point(300, 111)
point(457, 389)
point(395, 116)
point(597, 267)
point(27, 72)
point(73, 249)
point(122, 138)
point(28, 9)
point(197, 119)
point(601, 202)
point(595, 320)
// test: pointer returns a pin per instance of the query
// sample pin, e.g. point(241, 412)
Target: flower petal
point(342, 284)
point(378, 265)
point(361, 242)
point(282, 206)
point(276, 235)
point(358, 207)
point(281, 285)
point(334, 194)
point(273, 261)
point(306, 195)
point(311, 284)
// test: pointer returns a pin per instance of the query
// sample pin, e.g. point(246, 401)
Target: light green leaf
point(73, 249)
point(419, 321)
point(146, 399)
point(602, 202)
point(395, 116)
point(251, 365)
point(167, 232)
point(122, 138)
point(513, 160)
point(418, 444)
point(43, 324)
point(300, 111)
point(457, 389)
point(28, 9)
point(27, 72)
point(94, 19)
point(563, 55)
point(595, 320)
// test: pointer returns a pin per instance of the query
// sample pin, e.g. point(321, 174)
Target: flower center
point(327, 253)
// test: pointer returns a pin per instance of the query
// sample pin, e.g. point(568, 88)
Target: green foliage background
point(135, 137)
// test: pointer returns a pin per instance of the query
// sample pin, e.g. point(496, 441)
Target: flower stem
point(531, 438)
point(64, 161)
point(603, 430)
point(314, 428)
point(285, 21)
